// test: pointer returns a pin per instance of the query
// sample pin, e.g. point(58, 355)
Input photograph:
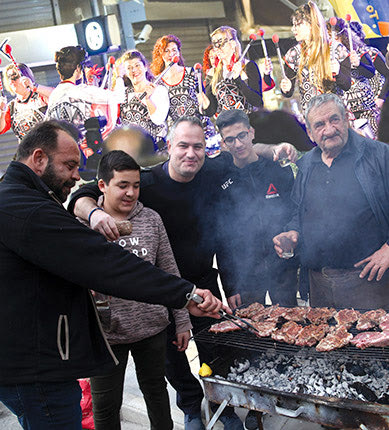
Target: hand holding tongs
point(233, 318)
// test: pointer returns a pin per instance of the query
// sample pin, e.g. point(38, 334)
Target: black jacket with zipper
point(48, 260)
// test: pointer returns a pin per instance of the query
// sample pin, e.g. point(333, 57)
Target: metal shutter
point(24, 14)
point(8, 147)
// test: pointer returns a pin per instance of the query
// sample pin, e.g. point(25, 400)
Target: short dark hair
point(230, 117)
point(115, 160)
point(44, 135)
point(68, 59)
point(193, 120)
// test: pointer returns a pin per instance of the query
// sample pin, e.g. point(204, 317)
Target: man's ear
point(101, 184)
point(38, 161)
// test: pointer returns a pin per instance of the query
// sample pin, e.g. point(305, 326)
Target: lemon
point(205, 370)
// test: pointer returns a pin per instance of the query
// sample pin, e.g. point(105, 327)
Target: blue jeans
point(44, 405)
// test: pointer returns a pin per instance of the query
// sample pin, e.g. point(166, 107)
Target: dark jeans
point(189, 392)
point(343, 288)
point(107, 391)
point(44, 405)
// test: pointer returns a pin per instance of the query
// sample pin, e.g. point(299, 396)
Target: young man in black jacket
point(254, 205)
point(49, 331)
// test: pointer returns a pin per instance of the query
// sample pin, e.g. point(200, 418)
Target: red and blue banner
point(372, 14)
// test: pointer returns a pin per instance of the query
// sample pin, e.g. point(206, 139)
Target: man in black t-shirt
point(183, 192)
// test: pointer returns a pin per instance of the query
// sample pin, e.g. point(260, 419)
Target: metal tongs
point(233, 318)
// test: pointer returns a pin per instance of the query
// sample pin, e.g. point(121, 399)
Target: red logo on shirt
point(271, 190)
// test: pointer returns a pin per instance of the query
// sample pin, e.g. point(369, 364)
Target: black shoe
point(193, 422)
point(251, 422)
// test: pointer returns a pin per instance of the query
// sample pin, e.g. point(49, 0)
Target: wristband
point(92, 211)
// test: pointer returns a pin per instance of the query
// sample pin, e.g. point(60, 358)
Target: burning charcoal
point(281, 368)
point(384, 399)
point(365, 391)
point(242, 367)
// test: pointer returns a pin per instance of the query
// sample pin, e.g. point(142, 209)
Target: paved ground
point(134, 411)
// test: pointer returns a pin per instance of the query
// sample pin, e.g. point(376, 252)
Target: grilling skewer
point(233, 318)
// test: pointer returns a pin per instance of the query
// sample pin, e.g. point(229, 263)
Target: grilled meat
point(370, 319)
point(265, 328)
point(371, 338)
point(311, 334)
point(288, 333)
point(347, 317)
point(320, 315)
point(384, 323)
point(336, 338)
point(224, 327)
point(250, 310)
point(297, 314)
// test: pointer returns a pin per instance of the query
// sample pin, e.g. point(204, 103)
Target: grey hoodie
point(127, 321)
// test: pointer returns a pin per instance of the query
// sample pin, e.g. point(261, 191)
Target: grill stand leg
point(217, 414)
point(259, 420)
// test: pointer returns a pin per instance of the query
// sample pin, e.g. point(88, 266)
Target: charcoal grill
point(330, 411)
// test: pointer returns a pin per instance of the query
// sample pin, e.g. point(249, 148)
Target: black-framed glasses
point(220, 43)
point(13, 77)
point(242, 136)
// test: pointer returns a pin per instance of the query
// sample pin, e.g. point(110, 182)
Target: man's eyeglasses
point(242, 136)
point(220, 43)
point(13, 77)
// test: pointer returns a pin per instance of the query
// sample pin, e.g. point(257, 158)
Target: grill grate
point(247, 341)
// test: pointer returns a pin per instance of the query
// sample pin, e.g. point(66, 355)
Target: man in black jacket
point(49, 331)
point(341, 220)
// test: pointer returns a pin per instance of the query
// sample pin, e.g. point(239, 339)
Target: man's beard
point(54, 183)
